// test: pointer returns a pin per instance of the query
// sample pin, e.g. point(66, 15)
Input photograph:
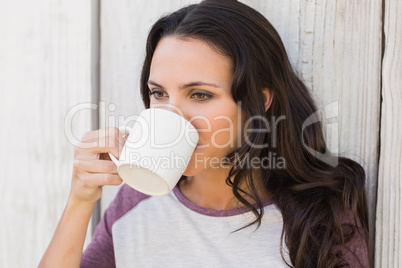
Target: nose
point(173, 108)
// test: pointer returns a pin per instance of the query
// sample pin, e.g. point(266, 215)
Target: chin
point(194, 169)
point(190, 171)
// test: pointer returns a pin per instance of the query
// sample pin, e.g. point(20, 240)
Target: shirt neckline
point(213, 212)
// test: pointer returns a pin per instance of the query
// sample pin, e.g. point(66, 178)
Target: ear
point(268, 95)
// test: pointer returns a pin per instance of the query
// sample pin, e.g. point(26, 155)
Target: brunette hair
point(313, 196)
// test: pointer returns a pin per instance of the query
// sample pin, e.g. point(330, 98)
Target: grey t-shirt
point(169, 231)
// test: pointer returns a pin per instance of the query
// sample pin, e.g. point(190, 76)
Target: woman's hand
point(92, 165)
point(92, 170)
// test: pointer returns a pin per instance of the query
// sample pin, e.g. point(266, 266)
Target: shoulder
point(100, 252)
point(126, 199)
point(354, 249)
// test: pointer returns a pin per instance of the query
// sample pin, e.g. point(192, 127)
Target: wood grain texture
point(389, 202)
point(45, 65)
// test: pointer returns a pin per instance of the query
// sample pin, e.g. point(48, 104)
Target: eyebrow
point(192, 84)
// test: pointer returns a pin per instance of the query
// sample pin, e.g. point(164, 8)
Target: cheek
point(202, 123)
point(223, 127)
point(223, 132)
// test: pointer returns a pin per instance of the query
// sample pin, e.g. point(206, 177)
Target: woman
point(224, 66)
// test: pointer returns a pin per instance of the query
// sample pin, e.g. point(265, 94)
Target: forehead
point(189, 59)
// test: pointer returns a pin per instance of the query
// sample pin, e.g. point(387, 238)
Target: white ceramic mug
point(157, 151)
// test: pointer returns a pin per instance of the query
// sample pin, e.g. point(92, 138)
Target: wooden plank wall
point(388, 244)
point(45, 70)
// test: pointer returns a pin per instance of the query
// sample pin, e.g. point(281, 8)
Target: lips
point(202, 145)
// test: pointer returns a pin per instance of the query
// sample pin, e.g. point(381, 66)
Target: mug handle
point(124, 130)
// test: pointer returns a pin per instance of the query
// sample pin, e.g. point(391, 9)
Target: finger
point(113, 143)
point(95, 166)
point(110, 145)
point(105, 157)
point(105, 137)
point(93, 180)
point(99, 134)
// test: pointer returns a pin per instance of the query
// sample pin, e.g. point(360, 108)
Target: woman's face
point(189, 77)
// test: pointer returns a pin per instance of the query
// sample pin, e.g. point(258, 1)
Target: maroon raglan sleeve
point(100, 252)
point(355, 251)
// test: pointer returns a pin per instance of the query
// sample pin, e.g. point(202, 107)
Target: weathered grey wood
point(389, 202)
point(45, 65)
point(334, 45)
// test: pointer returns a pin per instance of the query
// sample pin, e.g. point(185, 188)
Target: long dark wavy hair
point(312, 195)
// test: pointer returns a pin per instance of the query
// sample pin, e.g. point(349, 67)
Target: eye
point(158, 94)
point(202, 96)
